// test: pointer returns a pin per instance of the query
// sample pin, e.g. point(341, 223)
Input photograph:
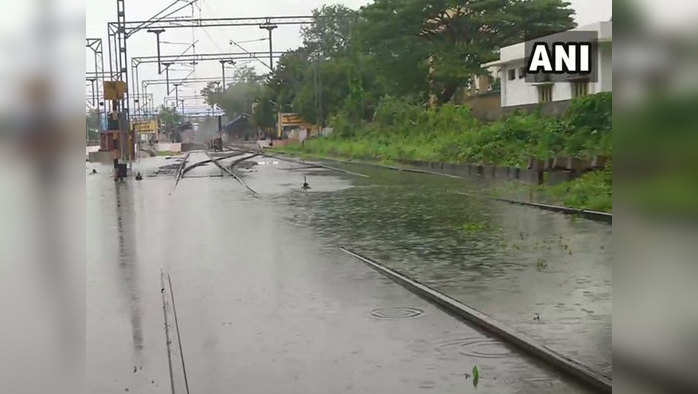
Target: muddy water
point(543, 273)
point(267, 303)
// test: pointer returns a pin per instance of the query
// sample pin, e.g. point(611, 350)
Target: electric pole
point(177, 85)
point(269, 27)
point(157, 33)
point(167, 75)
point(223, 63)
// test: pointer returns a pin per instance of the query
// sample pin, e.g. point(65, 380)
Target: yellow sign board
point(114, 90)
point(145, 126)
point(291, 119)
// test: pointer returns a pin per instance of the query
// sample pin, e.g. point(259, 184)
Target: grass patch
point(592, 190)
point(403, 131)
point(167, 153)
point(476, 227)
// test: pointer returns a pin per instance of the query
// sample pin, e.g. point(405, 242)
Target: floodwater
point(543, 273)
point(208, 288)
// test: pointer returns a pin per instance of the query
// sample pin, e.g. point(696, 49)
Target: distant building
point(240, 127)
point(515, 92)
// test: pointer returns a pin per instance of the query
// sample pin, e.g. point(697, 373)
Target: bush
point(593, 112)
point(593, 190)
point(402, 130)
point(392, 111)
point(588, 126)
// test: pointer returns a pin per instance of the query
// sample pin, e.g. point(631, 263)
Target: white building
point(515, 91)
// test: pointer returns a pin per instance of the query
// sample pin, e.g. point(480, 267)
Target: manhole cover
point(398, 312)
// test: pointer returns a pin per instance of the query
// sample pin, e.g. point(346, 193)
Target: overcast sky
point(214, 40)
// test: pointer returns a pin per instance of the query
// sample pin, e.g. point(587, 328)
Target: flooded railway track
point(585, 213)
point(454, 307)
point(233, 174)
point(176, 365)
point(307, 163)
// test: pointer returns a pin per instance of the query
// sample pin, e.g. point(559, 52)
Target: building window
point(512, 74)
point(545, 93)
point(522, 72)
point(580, 88)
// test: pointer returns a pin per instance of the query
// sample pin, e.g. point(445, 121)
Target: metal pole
point(271, 61)
point(176, 95)
point(140, 105)
point(103, 102)
point(134, 89)
point(269, 27)
point(145, 92)
point(223, 73)
point(167, 75)
point(122, 70)
point(111, 68)
point(97, 76)
point(157, 38)
point(92, 85)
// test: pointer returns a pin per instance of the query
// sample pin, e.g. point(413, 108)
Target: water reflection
point(544, 273)
point(127, 259)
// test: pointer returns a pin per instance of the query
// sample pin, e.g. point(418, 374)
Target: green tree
point(401, 48)
point(92, 125)
point(389, 34)
point(212, 93)
point(238, 96)
point(331, 34)
point(462, 35)
point(169, 118)
point(264, 110)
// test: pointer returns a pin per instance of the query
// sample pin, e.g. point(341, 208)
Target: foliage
point(590, 117)
point(169, 118)
point(464, 34)
point(166, 153)
point(263, 110)
point(92, 125)
point(238, 96)
point(330, 35)
point(474, 227)
point(592, 190)
point(402, 130)
point(350, 59)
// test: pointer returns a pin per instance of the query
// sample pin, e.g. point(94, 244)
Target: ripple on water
point(397, 312)
point(479, 347)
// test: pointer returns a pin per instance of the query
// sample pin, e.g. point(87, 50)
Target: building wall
point(484, 106)
point(605, 67)
point(518, 92)
point(553, 108)
point(168, 146)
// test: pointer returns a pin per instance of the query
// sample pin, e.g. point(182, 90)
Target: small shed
point(240, 127)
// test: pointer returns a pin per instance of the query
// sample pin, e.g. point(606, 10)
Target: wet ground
point(258, 298)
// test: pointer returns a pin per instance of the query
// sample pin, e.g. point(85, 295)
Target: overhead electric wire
point(155, 19)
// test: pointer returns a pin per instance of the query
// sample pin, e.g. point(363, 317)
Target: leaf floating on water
point(541, 265)
point(474, 227)
point(476, 376)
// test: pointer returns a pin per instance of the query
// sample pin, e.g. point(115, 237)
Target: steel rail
point(467, 313)
point(233, 174)
point(204, 162)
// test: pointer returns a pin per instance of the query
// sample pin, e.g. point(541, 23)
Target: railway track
point(232, 173)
